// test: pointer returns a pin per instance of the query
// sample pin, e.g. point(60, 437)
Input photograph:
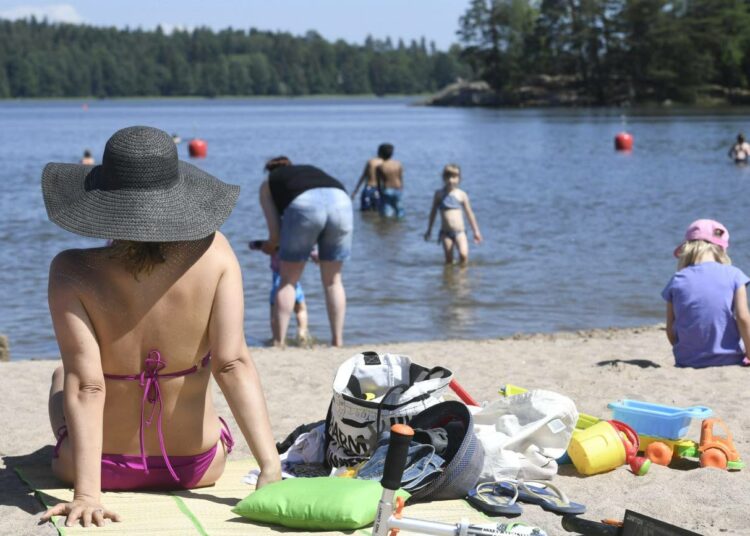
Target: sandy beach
point(591, 367)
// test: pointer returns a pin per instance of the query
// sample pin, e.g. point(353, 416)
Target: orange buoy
point(197, 148)
point(623, 141)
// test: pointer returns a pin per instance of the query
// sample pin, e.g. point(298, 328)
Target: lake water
point(576, 234)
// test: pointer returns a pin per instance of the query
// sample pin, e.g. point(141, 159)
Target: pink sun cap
point(709, 230)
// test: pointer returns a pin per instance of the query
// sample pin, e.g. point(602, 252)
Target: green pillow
point(326, 503)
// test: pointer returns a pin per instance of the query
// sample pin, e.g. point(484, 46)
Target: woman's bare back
point(166, 310)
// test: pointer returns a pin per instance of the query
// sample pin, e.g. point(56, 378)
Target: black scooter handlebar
point(395, 459)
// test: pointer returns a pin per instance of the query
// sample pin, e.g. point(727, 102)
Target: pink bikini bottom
point(127, 472)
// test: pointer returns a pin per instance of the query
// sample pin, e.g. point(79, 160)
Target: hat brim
point(193, 208)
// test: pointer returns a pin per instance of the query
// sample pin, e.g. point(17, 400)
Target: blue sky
point(351, 20)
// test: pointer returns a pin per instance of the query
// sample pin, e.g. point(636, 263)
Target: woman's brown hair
point(279, 161)
point(138, 257)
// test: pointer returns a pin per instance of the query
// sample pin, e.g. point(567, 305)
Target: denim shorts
point(322, 216)
point(422, 465)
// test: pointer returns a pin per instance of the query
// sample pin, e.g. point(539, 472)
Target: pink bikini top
point(149, 381)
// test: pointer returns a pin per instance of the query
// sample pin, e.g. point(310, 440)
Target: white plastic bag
point(524, 434)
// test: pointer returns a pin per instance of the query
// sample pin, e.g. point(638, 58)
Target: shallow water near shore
point(576, 234)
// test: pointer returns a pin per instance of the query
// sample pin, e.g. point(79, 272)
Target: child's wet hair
point(385, 151)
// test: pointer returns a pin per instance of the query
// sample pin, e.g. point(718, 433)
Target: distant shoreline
point(331, 96)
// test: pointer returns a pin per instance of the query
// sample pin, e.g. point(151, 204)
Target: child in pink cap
point(707, 314)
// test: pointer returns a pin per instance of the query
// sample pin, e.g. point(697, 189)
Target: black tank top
point(287, 182)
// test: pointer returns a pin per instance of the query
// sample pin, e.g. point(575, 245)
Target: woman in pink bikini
point(142, 325)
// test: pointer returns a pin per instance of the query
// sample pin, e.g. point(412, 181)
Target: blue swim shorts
point(299, 295)
point(391, 204)
point(322, 216)
point(369, 199)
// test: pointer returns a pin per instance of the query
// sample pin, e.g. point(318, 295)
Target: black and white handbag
point(371, 392)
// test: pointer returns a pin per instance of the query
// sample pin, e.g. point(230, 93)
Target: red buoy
point(197, 148)
point(623, 141)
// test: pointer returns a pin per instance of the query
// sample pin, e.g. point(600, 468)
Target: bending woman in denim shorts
point(305, 206)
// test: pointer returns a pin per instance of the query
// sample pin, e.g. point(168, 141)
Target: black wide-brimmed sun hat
point(140, 192)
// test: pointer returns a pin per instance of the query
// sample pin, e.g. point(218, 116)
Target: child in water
point(707, 313)
point(740, 151)
point(452, 203)
point(300, 308)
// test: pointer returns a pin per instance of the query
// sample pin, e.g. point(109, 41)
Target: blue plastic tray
point(657, 420)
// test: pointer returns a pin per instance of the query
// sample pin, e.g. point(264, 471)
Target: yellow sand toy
point(712, 451)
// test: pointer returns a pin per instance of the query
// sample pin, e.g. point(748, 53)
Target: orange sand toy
point(716, 451)
point(712, 451)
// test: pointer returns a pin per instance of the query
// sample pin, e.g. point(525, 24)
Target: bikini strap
point(62, 433)
point(149, 381)
point(226, 436)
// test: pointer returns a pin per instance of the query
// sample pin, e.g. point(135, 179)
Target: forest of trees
point(606, 51)
point(614, 50)
point(39, 59)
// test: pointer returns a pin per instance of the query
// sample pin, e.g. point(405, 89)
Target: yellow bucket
point(597, 449)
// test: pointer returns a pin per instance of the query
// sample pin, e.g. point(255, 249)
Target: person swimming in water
point(740, 151)
point(370, 198)
point(87, 159)
point(452, 203)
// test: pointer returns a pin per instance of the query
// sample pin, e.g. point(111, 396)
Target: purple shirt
point(702, 297)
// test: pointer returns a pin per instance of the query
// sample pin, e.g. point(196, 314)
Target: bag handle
point(426, 374)
point(388, 393)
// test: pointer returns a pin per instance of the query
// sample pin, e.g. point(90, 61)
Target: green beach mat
point(203, 511)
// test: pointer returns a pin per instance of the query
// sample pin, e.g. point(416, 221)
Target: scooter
point(389, 519)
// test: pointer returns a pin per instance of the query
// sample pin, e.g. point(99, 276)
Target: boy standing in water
point(370, 198)
point(390, 177)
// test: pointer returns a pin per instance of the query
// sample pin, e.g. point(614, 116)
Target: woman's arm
point(83, 393)
point(742, 316)
point(433, 212)
point(670, 324)
point(472, 219)
point(235, 371)
point(273, 220)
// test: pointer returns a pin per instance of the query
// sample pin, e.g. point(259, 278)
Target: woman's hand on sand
point(85, 511)
point(267, 477)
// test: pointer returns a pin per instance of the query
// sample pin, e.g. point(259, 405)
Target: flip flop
point(496, 498)
point(546, 495)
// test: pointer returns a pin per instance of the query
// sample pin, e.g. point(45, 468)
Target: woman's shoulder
point(221, 251)
point(76, 259)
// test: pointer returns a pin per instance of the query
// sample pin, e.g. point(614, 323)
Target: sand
point(591, 367)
